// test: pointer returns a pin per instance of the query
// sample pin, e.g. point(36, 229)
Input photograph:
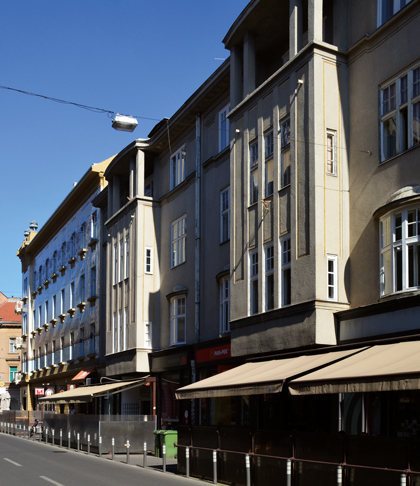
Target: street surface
point(24, 462)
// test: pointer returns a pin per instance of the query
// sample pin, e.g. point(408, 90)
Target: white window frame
point(253, 171)
point(269, 262)
point(148, 260)
point(12, 345)
point(177, 167)
point(62, 301)
point(286, 263)
point(178, 311)
point(72, 296)
point(120, 330)
point(61, 349)
point(114, 333)
point(71, 347)
point(253, 282)
point(397, 5)
point(269, 161)
point(224, 128)
point(115, 275)
point(122, 266)
point(224, 315)
point(331, 153)
point(126, 328)
point(127, 256)
point(178, 241)
point(332, 282)
point(54, 306)
point(148, 335)
point(285, 149)
point(53, 352)
point(399, 248)
point(94, 226)
point(225, 215)
point(46, 311)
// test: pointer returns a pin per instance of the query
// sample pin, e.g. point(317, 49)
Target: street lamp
point(124, 123)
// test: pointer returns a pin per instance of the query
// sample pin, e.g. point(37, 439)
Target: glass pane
point(403, 89)
point(270, 292)
point(181, 330)
point(412, 222)
point(398, 268)
point(398, 227)
point(286, 286)
point(254, 297)
point(416, 123)
point(254, 186)
point(411, 266)
point(389, 143)
point(269, 177)
point(385, 277)
point(385, 232)
point(285, 160)
point(416, 81)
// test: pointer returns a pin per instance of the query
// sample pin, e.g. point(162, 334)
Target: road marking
point(12, 462)
point(50, 481)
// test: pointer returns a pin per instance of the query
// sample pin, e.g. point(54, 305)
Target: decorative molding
point(72, 262)
point(82, 306)
point(92, 300)
point(82, 253)
point(71, 312)
point(54, 277)
point(62, 317)
point(62, 269)
point(92, 243)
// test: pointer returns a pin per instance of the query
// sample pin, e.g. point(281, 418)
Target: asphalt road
point(24, 462)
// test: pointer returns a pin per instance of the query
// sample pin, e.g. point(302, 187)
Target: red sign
point(213, 354)
point(39, 392)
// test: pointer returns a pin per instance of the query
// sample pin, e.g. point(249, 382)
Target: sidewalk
point(153, 463)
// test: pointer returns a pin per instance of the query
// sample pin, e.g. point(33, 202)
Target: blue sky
point(139, 57)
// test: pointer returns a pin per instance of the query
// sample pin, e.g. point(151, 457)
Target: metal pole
point(145, 454)
point(164, 457)
point(88, 449)
point(339, 476)
point(289, 473)
point(100, 446)
point(78, 442)
point(39, 433)
point(68, 440)
point(46, 435)
point(53, 433)
point(128, 451)
point(113, 447)
point(187, 462)
point(61, 437)
point(403, 479)
point(248, 470)
point(214, 467)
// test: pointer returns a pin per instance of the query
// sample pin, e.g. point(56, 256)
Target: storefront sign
point(213, 354)
point(50, 390)
point(39, 392)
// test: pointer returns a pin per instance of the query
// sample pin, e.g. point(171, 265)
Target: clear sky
point(139, 57)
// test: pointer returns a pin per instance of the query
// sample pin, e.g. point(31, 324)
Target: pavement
point(152, 462)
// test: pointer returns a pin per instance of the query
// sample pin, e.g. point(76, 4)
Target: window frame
point(224, 128)
point(284, 131)
point(269, 161)
point(225, 215)
point(224, 304)
point(177, 163)
point(12, 345)
point(332, 282)
point(148, 260)
point(175, 316)
point(253, 282)
point(178, 241)
point(397, 5)
point(253, 171)
point(269, 265)
point(331, 161)
point(286, 265)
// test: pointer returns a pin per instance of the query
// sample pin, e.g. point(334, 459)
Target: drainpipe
point(197, 224)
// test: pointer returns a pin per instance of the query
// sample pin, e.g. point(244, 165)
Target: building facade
point(60, 317)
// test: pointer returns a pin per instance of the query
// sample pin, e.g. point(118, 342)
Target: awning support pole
point(187, 462)
point(100, 446)
point(164, 457)
point(145, 455)
point(248, 470)
point(289, 472)
point(214, 467)
point(403, 479)
point(88, 444)
point(61, 437)
point(339, 476)
point(113, 448)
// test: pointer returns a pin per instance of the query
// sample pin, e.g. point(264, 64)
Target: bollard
point(88, 439)
point(403, 479)
point(61, 437)
point(289, 473)
point(145, 454)
point(53, 433)
point(46, 435)
point(339, 476)
point(214, 467)
point(100, 446)
point(164, 457)
point(78, 442)
point(39, 433)
point(113, 448)
point(24, 431)
point(128, 451)
point(248, 470)
point(68, 440)
point(187, 462)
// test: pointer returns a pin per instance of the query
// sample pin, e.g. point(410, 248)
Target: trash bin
point(167, 437)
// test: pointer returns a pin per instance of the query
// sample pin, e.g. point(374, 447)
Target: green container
point(167, 437)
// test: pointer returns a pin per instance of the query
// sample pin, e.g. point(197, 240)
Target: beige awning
point(258, 378)
point(386, 367)
point(85, 394)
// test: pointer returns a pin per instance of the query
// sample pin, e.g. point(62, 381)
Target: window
point(24, 324)
point(72, 301)
point(148, 189)
point(94, 226)
point(40, 276)
point(269, 277)
point(253, 272)
point(121, 276)
point(178, 238)
point(114, 280)
point(120, 330)
point(82, 243)
point(285, 271)
point(285, 152)
point(39, 316)
point(115, 331)
point(12, 345)
point(388, 8)
point(177, 327)
point(148, 335)
point(148, 262)
point(54, 307)
point(93, 281)
point(72, 245)
point(178, 167)
point(45, 355)
point(127, 256)
point(53, 353)
point(400, 251)
point(63, 255)
point(12, 373)
point(225, 215)
point(71, 352)
point(54, 263)
point(126, 323)
point(269, 162)
point(46, 311)
point(253, 176)
point(61, 349)
point(25, 287)
point(82, 289)
point(39, 358)
point(400, 114)
point(224, 128)
point(224, 305)
point(62, 301)
point(331, 153)
point(81, 343)
point(34, 281)
point(332, 277)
